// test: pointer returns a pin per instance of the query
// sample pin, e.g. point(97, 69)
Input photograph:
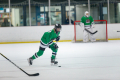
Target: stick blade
point(95, 32)
point(36, 74)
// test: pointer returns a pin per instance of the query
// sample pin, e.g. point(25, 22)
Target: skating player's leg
point(54, 48)
point(36, 55)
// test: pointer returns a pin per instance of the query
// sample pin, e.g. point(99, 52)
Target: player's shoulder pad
point(46, 33)
point(82, 17)
point(90, 16)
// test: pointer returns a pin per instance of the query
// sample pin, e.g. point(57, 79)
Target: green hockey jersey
point(87, 20)
point(49, 36)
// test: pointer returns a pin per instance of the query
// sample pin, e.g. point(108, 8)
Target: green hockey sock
point(38, 54)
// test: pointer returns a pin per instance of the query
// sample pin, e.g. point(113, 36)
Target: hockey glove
point(92, 25)
point(58, 38)
point(55, 46)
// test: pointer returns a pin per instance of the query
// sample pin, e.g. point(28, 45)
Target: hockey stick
point(90, 32)
point(36, 74)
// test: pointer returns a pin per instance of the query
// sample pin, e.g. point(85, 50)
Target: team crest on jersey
point(87, 21)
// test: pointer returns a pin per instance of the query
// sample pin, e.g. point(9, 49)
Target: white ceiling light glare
point(84, 4)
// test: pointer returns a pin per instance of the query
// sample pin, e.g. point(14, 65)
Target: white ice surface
point(78, 61)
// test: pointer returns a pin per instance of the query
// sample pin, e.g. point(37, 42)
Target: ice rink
point(78, 61)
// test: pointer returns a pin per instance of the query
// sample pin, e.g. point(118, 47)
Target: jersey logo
point(87, 21)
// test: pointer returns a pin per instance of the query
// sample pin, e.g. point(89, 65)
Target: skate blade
point(53, 64)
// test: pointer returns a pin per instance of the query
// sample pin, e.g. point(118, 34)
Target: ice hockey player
point(87, 22)
point(47, 41)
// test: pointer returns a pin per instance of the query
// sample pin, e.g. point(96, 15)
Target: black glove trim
point(58, 38)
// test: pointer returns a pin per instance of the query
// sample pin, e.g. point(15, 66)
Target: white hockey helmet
point(86, 13)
